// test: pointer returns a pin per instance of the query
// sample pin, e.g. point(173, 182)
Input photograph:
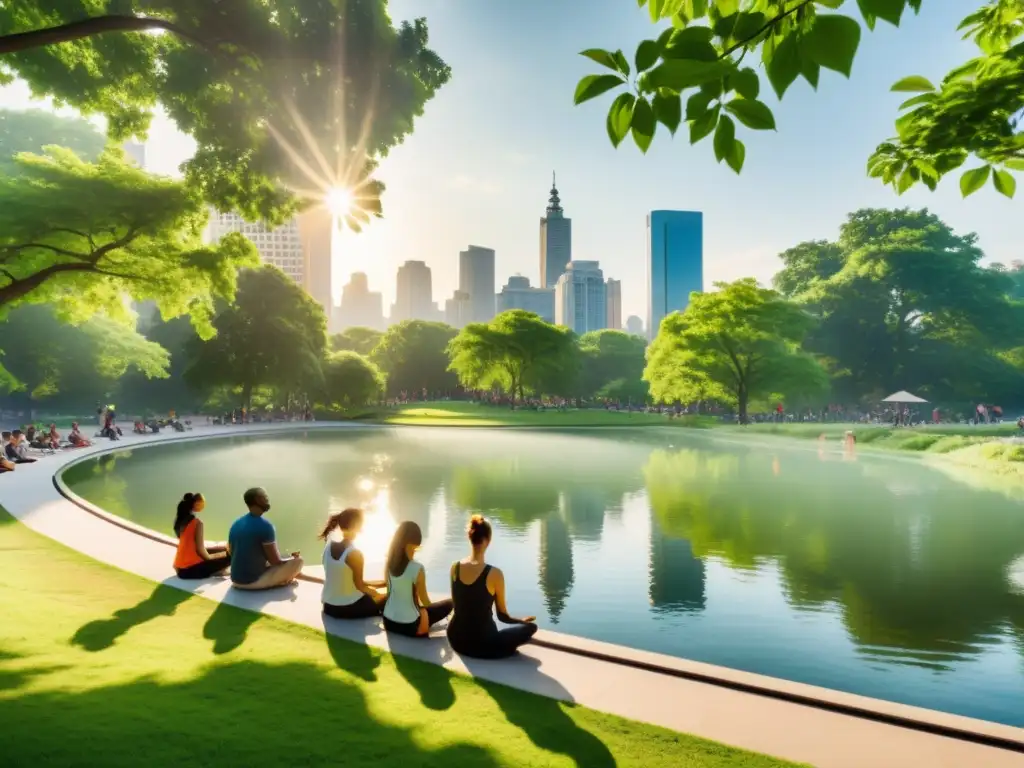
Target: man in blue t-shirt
point(256, 562)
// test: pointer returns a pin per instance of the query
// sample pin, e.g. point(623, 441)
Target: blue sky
point(478, 167)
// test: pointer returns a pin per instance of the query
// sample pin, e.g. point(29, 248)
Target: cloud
point(473, 184)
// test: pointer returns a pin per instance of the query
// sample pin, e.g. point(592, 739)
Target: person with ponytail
point(408, 610)
point(346, 595)
point(477, 590)
point(195, 560)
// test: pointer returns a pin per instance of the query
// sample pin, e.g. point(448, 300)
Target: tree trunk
point(247, 396)
point(76, 30)
point(741, 398)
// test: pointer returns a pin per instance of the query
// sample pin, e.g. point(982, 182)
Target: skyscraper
point(476, 278)
point(614, 290)
point(555, 240)
point(458, 309)
point(280, 246)
point(675, 263)
point(517, 294)
point(360, 307)
point(634, 325)
point(316, 230)
point(413, 294)
point(581, 297)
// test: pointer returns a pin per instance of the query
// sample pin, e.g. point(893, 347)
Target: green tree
point(350, 380)
point(52, 362)
point(909, 307)
point(251, 82)
point(613, 365)
point(703, 58)
point(83, 235)
point(138, 392)
point(737, 344)
point(412, 354)
point(274, 335)
point(516, 351)
point(359, 340)
point(33, 130)
point(806, 263)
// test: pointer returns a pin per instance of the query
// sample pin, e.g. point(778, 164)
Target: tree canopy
point(356, 339)
point(251, 82)
point(49, 360)
point(35, 129)
point(350, 380)
point(976, 110)
point(274, 335)
point(412, 354)
point(904, 303)
point(517, 351)
point(734, 345)
point(613, 365)
point(84, 234)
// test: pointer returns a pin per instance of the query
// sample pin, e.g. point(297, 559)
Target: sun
point(339, 200)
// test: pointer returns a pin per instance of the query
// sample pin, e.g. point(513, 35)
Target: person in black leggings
point(477, 589)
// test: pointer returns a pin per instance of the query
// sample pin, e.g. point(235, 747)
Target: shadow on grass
point(353, 656)
point(432, 682)
point(228, 625)
point(13, 679)
point(103, 633)
point(544, 720)
point(246, 713)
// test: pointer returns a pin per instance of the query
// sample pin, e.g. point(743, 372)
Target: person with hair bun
point(346, 595)
point(477, 590)
point(195, 560)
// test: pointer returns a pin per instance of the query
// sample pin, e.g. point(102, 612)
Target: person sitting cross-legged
point(16, 449)
point(194, 559)
point(256, 562)
point(478, 591)
point(408, 609)
point(346, 594)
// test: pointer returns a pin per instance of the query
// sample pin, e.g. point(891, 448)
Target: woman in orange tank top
point(194, 560)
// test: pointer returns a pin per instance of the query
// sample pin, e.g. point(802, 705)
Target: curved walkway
point(790, 720)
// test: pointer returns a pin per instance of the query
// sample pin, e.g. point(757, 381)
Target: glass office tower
point(675, 263)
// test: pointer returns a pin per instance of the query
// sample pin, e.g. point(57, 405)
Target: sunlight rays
point(344, 187)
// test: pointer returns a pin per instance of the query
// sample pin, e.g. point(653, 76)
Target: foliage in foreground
point(251, 82)
point(703, 58)
point(138, 235)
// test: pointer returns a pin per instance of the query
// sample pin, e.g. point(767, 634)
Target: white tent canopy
point(903, 397)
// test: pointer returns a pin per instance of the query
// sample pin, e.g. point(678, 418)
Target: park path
point(763, 723)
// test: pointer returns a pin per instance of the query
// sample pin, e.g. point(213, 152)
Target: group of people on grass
point(254, 562)
point(18, 445)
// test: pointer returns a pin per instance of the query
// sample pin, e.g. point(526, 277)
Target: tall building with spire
point(555, 240)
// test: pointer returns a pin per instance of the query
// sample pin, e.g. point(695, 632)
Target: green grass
point(101, 667)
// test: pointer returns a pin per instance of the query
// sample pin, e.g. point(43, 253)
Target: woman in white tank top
point(408, 610)
point(345, 594)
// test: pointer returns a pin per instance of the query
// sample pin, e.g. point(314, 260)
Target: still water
point(879, 576)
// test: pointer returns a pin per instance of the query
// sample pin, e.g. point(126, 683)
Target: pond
point(874, 574)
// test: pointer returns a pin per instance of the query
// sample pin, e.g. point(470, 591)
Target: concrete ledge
point(684, 695)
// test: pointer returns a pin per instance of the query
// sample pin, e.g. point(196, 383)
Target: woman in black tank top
point(476, 589)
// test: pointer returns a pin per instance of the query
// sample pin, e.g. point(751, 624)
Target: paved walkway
point(796, 731)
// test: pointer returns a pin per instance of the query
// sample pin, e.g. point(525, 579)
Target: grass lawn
point(465, 414)
point(101, 667)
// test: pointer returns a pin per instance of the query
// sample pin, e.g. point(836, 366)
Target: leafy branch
point(976, 111)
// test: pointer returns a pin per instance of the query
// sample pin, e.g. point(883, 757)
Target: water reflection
point(792, 560)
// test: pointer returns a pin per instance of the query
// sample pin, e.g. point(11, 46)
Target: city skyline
point(472, 167)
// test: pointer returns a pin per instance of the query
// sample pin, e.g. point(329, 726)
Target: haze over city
point(478, 167)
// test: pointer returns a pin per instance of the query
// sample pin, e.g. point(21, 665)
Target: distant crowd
point(25, 445)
